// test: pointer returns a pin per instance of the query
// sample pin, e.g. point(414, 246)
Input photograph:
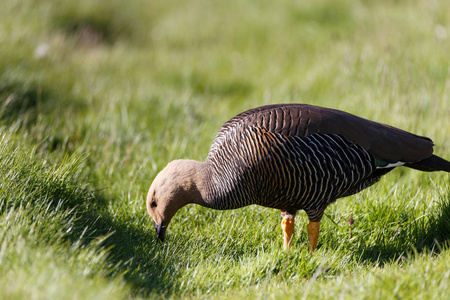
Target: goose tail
point(432, 163)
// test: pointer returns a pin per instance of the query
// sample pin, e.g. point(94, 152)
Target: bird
point(288, 157)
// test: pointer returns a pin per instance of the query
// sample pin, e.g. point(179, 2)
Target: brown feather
point(385, 143)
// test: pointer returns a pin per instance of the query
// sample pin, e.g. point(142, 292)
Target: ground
point(97, 96)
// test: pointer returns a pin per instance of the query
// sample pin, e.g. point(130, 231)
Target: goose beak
point(160, 230)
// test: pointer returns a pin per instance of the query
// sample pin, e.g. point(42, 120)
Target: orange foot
point(288, 229)
point(313, 234)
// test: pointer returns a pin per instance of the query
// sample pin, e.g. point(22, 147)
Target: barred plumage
point(289, 157)
point(284, 172)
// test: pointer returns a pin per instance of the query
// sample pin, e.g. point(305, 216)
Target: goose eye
point(153, 204)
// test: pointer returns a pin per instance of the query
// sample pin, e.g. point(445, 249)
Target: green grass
point(97, 96)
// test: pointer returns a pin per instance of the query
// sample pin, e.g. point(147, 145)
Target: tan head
point(178, 184)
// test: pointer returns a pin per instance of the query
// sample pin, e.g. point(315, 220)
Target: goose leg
point(313, 234)
point(288, 228)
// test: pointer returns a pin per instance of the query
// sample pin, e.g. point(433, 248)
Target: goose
point(289, 157)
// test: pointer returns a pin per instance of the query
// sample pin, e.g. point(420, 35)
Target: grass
point(96, 97)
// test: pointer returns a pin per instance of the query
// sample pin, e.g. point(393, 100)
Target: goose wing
point(386, 143)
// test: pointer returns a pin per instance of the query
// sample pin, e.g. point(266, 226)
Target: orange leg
point(288, 228)
point(313, 234)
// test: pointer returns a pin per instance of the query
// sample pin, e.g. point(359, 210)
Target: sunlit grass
point(96, 97)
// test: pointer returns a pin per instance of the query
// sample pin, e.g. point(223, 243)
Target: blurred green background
point(97, 96)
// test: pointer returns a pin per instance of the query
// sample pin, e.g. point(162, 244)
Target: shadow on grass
point(134, 253)
point(24, 99)
point(430, 235)
point(56, 207)
point(18, 98)
point(438, 233)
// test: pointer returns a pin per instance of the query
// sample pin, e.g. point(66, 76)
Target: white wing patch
point(392, 165)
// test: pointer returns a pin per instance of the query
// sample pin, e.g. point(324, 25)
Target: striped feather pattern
point(298, 156)
point(255, 166)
